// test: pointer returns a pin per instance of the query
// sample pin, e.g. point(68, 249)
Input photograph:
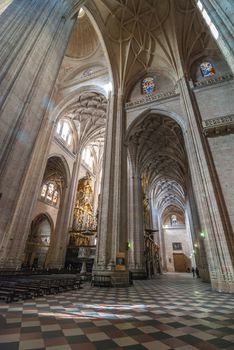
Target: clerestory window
point(207, 18)
point(87, 157)
point(64, 131)
point(4, 5)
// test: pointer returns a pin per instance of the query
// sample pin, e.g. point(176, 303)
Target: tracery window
point(64, 131)
point(50, 193)
point(87, 157)
point(148, 85)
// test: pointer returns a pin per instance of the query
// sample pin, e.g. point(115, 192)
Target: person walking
point(197, 272)
point(193, 271)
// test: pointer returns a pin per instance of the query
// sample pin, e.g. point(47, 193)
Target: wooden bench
point(14, 288)
point(101, 281)
point(7, 295)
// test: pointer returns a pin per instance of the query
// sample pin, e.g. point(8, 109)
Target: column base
point(223, 286)
point(205, 276)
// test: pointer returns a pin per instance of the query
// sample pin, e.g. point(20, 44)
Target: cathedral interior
point(116, 171)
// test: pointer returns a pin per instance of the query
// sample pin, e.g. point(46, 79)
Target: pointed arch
point(155, 111)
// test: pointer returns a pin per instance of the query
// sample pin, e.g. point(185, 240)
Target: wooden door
point(179, 262)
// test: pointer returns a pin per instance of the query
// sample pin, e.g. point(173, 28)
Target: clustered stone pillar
point(211, 211)
point(136, 224)
point(192, 219)
point(112, 232)
point(33, 40)
point(162, 243)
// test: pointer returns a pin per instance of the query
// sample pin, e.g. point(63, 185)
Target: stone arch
point(157, 147)
point(156, 111)
point(166, 212)
point(47, 216)
point(38, 241)
point(62, 166)
point(136, 133)
point(97, 22)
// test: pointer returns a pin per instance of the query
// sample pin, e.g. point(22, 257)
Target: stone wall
point(176, 235)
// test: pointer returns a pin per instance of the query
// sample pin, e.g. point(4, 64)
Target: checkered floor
point(173, 311)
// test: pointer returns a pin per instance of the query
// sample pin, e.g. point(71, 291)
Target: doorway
point(179, 262)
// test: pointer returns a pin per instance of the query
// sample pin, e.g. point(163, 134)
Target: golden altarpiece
point(81, 249)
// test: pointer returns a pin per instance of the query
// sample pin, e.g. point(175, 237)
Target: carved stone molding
point(151, 98)
point(218, 126)
point(214, 80)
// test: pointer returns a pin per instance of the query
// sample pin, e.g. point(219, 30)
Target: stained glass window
point(50, 193)
point(55, 197)
point(207, 69)
point(148, 85)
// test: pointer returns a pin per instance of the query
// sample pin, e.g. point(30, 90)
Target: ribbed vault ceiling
point(157, 151)
point(88, 112)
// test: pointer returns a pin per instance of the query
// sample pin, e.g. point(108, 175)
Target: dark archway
point(38, 241)
point(159, 158)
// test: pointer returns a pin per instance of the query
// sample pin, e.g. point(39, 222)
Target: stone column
point(191, 242)
point(211, 208)
point(162, 245)
point(101, 252)
point(154, 220)
point(112, 228)
point(33, 40)
point(192, 221)
point(222, 15)
point(96, 190)
point(136, 224)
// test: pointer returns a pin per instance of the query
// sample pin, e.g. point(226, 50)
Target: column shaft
point(210, 207)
